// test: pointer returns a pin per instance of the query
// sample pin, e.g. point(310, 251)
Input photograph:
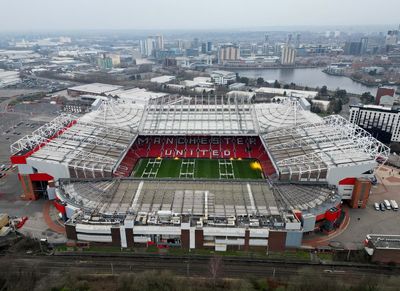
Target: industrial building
point(92, 89)
point(8, 78)
point(309, 165)
point(383, 248)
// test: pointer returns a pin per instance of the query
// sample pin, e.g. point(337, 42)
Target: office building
point(223, 77)
point(204, 48)
point(364, 45)
point(288, 55)
point(352, 48)
point(209, 46)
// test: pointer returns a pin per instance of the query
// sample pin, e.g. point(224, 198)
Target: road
point(185, 266)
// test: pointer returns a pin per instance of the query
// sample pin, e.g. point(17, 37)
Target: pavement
point(43, 220)
point(361, 222)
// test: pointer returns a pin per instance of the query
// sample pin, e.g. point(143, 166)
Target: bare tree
point(215, 268)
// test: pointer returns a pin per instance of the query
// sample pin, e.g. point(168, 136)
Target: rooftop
point(311, 148)
point(96, 88)
point(383, 241)
point(212, 200)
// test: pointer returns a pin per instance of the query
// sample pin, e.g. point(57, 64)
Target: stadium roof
point(92, 148)
point(309, 149)
point(271, 116)
point(126, 116)
point(95, 88)
point(203, 115)
point(209, 199)
point(136, 95)
point(299, 142)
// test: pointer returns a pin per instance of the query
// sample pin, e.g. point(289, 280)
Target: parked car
point(376, 206)
point(382, 206)
point(394, 205)
point(387, 204)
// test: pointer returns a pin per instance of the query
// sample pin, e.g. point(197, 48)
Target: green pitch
point(198, 169)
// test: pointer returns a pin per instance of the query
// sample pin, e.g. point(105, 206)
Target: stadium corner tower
point(198, 173)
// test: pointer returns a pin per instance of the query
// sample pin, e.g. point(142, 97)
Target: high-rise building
point(159, 42)
point(364, 45)
point(204, 48)
point(266, 38)
point(209, 46)
point(195, 43)
point(228, 52)
point(108, 61)
point(392, 37)
point(152, 43)
point(289, 39)
point(288, 55)
point(352, 48)
point(298, 36)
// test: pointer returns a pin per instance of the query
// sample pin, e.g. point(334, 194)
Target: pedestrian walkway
point(318, 240)
point(51, 219)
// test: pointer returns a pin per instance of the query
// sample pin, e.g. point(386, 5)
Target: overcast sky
point(191, 14)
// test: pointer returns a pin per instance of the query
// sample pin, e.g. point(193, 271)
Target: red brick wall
point(277, 240)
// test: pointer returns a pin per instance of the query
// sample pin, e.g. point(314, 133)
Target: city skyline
point(175, 14)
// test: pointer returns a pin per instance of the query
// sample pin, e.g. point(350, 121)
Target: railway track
point(186, 266)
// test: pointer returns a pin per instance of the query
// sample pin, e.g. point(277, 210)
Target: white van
point(394, 205)
point(387, 204)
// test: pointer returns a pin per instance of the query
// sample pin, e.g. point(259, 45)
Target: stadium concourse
point(198, 172)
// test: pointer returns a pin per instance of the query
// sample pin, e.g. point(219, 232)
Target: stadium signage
point(193, 140)
point(201, 153)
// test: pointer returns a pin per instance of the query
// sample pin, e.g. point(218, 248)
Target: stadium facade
point(309, 165)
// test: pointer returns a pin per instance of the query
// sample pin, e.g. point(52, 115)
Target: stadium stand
point(248, 147)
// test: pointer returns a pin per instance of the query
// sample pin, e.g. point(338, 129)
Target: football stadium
point(205, 172)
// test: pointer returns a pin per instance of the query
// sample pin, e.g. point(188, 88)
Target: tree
point(260, 81)
point(367, 98)
point(277, 84)
point(244, 80)
point(286, 86)
point(315, 109)
point(340, 93)
point(215, 268)
point(323, 90)
point(335, 106)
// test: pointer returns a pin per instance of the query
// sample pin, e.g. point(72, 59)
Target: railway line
point(187, 266)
